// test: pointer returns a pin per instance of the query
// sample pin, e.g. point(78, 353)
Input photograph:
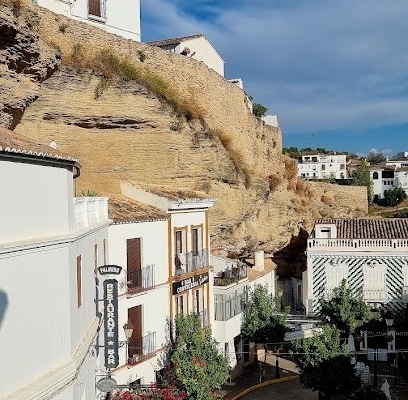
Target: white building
point(161, 238)
point(400, 160)
point(383, 178)
point(50, 246)
point(121, 17)
point(195, 46)
point(313, 165)
point(232, 278)
point(372, 255)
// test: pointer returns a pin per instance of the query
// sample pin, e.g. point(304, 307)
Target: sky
point(334, 71)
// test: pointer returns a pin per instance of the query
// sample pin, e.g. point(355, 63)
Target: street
point(292, 390)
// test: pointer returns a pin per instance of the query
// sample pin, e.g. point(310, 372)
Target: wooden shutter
point(94, 8)
point(134, 256)
point(135, 342)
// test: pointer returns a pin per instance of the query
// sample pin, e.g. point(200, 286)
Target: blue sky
point(334, 71)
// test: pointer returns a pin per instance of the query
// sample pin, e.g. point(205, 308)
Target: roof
point(389, 228)
point(121, 209)
point(174, 41)
point(174, 194)
point(398, 158)
point(15, 144)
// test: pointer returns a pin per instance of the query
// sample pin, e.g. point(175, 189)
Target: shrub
point(274, 181)
point(63, 27)
point(326, 200)
point(88, 193)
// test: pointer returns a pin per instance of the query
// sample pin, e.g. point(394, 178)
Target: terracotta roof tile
point(121, 209)
point(174, 41)
point(13, 143)
point(389, 228)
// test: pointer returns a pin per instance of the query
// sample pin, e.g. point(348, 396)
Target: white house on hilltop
point(50, 246)
point(121, 17)
point(195, 46)
point(313, 165)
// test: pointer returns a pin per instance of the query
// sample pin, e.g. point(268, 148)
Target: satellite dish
point(53, 145)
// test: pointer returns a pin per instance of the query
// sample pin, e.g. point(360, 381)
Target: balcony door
point(136, 341)
point(134, 262)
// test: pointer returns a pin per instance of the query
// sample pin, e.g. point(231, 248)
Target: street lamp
point(128, 328)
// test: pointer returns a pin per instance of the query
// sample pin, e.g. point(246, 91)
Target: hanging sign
point(110, 314)
point(109, 269)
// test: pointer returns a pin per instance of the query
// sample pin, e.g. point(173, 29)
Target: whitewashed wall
point(122, 16)
point(203, 52)
point(36, 201)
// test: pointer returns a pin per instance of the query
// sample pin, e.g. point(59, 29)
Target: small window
point(79, 280)
point(375, 175)
point(323, 167)
point(180, 304)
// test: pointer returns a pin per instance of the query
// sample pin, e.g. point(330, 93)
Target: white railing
point(89, 211)
point(358, 243)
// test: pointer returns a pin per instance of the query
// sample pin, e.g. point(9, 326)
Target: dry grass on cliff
point(111, 67)
point(274, 181)
point(17, 6)
point(326, 200)
point(291, 169)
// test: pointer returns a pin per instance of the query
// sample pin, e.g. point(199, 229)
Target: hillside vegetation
point(136, 114)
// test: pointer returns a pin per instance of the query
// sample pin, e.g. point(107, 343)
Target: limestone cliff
point(128, 133)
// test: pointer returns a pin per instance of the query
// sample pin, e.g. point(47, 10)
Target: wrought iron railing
point(141, 349)
point(231, 275)
point(191, 261)
point(141, 280)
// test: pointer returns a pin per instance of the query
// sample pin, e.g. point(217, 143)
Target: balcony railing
point(89, 211)
point(397, 244)
point(142, 349)
point(191, 261)
point(231, 275)
point(139, 281)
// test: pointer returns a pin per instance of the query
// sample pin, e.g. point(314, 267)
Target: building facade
point(161, 239)
point(121, 17)
point(195, 46)
point(372, 255)
point(232, 280)
point(313, 165)
point(50, 245)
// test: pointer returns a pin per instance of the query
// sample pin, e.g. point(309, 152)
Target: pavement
point(249, 386)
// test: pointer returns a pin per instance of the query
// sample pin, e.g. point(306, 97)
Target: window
point(79, 280)
point(197, 239)
point(134, 262)
point(375, 175)
point(96, 8)
point(342, 166)
point(180, 249)
point(323, 167)
point(325, 233)
point(197, 301)
point(180, 304)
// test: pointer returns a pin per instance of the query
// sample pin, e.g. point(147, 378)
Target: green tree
point(394, 196)
point(323, 363)
point(344, 308)
point(259, 110)
point(362, 178)
point(263, 321)
point(196, 362)
point(375, 157)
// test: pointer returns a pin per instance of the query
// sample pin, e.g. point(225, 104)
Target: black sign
point(110, 315)
point(189, 283)
point(109, 269)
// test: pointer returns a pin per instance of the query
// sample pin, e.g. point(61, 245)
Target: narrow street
point(292, 390)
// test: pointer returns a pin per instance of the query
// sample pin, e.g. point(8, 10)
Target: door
point(135, 349)
point(134, 263)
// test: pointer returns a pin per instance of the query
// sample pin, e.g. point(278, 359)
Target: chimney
point(259, 261)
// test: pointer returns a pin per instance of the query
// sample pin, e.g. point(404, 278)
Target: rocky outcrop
point(130, 135)
point(25, 62)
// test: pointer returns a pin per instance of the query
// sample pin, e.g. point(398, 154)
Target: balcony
point(142, 280)
point(89, 211)
point(231, 275)
point(141, 349)
point(367, 244)
point(191, 261)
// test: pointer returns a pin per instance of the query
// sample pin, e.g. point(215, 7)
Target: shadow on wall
point(3, 306)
